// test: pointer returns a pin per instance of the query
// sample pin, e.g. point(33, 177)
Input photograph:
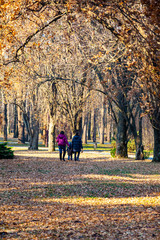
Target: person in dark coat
point(76, 146)
point(62, 142)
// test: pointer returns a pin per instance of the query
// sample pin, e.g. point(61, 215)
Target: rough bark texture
point(5, 122)
point(21, 138)
point(93, 125)
point(89, 126)
point(121, 142)
point(8, 119)
point(46, 138)
point(51, 144)
point(109, 125)
point(33, 132)
point(139, 153)
point(156, 157)
point(140, 130)
point(85, 124)
point(103, 113)
point(15, 126)
point(34, 138)
point(80, 126)
point(139, 146)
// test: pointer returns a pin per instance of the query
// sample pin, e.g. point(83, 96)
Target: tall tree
point(85, 126)
point(15, 125)
point(130, 22)
point(102, 121)
point(21, 137)
point(5, 120)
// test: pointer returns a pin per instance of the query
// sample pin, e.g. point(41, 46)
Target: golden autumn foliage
point(30, 29)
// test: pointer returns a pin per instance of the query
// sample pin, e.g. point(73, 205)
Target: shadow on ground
point(96, 198)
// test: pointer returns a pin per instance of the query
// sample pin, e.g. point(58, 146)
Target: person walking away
point(62, 142)
point(76, 146)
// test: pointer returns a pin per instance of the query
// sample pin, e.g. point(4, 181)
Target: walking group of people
point(74, 147)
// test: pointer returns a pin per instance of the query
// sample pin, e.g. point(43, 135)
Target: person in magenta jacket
point(62, 142)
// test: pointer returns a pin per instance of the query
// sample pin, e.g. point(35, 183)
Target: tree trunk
point(156, 156)
point(21, 138)
point(103, 113)
point(140, 130)
point(80, 126)
point(74, 125)
point(33, 134)
point(26, 135)
point(137, 138)
point(89, 126)
point(8, 120)
point(139, 146)
point(51, 144)
point(121, 141)
point(15, 126)
point(33, 141)
point(5, 122)
point(85, 123)
point(93, 125)
point(108, 125)
point(46, 137)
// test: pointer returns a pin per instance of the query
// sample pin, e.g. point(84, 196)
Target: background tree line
point(58, 56)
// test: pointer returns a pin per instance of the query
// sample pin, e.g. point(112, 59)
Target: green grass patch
point(100, 147)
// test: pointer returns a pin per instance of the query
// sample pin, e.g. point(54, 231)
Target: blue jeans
point(62, 149)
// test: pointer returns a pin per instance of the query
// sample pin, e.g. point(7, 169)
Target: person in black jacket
point(76, 146)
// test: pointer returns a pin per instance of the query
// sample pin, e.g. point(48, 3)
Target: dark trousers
point(76, 156)
point(62, 149)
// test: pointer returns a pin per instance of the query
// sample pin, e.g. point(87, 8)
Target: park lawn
point(13, 142)
point(96, 198)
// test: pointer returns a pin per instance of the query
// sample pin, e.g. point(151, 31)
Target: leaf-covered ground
point(42, 197)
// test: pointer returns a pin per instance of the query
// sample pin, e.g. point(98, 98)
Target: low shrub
point(5, 152)
point(113, 152)
point(113, 143)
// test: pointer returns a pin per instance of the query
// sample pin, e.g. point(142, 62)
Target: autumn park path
point(95, 198)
